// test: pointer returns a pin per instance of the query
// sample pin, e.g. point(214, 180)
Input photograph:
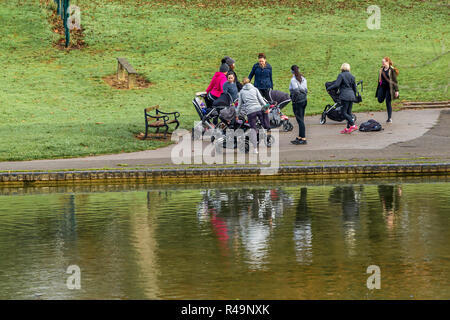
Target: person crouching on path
point(298, 89)
point(262, 71)
point(387, 88)
point(345, 82)
point(251, 103)
point(215, 87)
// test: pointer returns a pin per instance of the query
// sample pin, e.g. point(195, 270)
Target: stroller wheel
point(287, 126)
point(269, 140)
point(323, 119)
point(243, 144)
point(219, 146)
point(196, 134)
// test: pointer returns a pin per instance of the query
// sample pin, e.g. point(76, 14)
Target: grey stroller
point(278, 100)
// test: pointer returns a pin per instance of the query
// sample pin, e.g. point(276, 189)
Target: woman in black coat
point(346, 84)
point(387, 89)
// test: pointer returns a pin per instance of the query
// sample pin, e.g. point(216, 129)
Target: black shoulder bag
point(358, 96)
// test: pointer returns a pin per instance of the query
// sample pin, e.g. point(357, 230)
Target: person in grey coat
point(346, 84)
point(250, 104)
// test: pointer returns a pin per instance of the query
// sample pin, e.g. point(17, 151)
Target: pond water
point(260, 240)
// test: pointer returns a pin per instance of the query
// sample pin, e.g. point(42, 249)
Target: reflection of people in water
point(390, 199)
point(350, 200)
point(302, 230)
point(248, 214)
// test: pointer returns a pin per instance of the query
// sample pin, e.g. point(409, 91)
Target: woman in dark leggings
point(387, 88)
point(250, 104)
point(298, 89)
point(347, 94)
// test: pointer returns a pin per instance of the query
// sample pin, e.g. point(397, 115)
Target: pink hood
point(216, 85)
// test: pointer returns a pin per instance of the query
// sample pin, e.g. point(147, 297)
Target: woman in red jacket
point(215, 88)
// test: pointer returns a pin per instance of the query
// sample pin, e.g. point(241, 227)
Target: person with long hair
point(262, 71)
point(230, 86)
point(232, 64)
point(346, 84)
point(298, 89)
point(387, 88)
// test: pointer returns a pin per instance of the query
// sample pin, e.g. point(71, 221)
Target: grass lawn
point(54, 103)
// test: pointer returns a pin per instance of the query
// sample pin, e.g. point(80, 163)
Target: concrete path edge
point(215, 174)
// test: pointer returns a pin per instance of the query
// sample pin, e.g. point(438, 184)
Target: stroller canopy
point(334, 93)
point(225, 100)
point(280, 97)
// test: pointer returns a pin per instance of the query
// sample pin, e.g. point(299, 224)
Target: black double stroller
point(238, 124)
point(334, 112)
point(208, 116)
point(220, 117)
point(277, 101)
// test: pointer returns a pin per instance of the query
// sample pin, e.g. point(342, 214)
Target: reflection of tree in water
point(302, 230)
point(349, 197)
point(247, 215)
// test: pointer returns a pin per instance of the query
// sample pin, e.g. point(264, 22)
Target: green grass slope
point(55, 104)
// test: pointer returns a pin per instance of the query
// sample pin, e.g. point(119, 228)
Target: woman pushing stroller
point(346, 84)
point(250, 103)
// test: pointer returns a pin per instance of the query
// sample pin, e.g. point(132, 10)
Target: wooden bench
point(161, 120)
point(124, 68)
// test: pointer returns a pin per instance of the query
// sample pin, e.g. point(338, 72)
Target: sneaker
point(298, 141)
point(352, 128)
point(346, 130)
point(389, 121)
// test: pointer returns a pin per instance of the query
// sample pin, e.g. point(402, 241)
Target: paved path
point(414, 135)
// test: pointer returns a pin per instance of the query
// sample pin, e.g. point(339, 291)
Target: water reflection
point(349, 199)
point(302, 230)
point(254, 242)
point(244, 217)
point(390, 199)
